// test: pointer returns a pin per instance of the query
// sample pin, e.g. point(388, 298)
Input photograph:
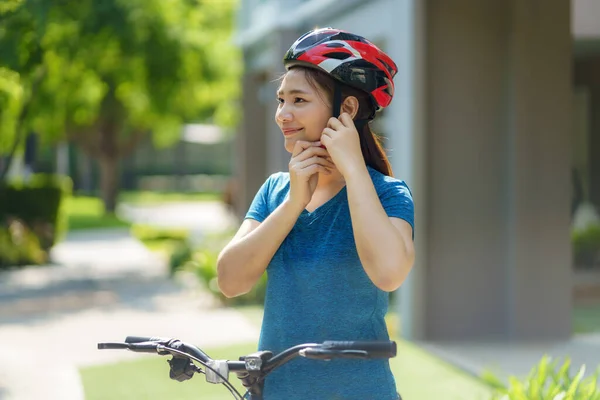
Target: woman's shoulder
point(382, 181)
point(277, 184)
point(279, 179)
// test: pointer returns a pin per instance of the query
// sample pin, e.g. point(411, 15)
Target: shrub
point(203, 262)
point(180, 256)
point(586, 245)
point(19, 245)
point(547, 382)
point(38, 203)
point(147, 233)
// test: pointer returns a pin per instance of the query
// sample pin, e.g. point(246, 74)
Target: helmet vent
point(337, 55)
point(387, 66)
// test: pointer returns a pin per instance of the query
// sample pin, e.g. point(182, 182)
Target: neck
point(330, 181)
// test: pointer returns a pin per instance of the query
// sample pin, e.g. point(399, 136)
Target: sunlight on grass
point(85, 212)
point(148, 378)
point(148, 198)
point(422, 376)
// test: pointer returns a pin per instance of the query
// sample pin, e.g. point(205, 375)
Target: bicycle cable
point(225, 382)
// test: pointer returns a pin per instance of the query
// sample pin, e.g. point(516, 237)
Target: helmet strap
point(337, 100)
point(337, 107)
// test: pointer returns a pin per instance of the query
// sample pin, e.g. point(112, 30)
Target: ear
point(350, 106)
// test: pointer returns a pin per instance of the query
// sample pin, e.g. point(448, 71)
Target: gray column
point(540, 121)
point(498, 121)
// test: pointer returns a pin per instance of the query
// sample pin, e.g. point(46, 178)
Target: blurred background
point(134, 135)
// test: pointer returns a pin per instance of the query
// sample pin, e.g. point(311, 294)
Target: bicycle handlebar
point(373, 349)
point(254, 367)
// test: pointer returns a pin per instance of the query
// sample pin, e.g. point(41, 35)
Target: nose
point(284, 113)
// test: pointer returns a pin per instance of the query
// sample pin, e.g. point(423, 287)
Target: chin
point(289, 144)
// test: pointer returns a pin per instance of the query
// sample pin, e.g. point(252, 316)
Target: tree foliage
point(105, 73)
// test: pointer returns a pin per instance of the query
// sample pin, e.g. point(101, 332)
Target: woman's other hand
point(308, 160)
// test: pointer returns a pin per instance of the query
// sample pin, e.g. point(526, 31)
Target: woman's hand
point(343, 143)
point(308, 160)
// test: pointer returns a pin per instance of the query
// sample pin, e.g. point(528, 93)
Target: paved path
point(199, 217)
point(103, 285)
point(505, 359)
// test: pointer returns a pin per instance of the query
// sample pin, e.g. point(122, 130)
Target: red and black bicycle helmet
point(348, 58)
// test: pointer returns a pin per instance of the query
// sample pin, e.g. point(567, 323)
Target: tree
point(111, 72)
point(21, 71)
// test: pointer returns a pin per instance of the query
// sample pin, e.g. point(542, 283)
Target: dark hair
point(370, 143)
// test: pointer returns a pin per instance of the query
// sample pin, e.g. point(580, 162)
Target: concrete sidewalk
point(103, 285)
point(517, 359)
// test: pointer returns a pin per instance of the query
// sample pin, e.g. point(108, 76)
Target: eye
point(280, 100)
point(299, 100)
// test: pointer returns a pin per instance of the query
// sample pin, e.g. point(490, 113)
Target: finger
point(310, 152)
point(313, 169)
point(347, 120)
point(327, 137)
point(315, 160)
point(328, 132)
point(300, 146)
point(335, 123)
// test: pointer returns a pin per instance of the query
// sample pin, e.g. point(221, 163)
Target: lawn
point(86, 212)
point(420, 376)
point(148, 379)
point(148, 197)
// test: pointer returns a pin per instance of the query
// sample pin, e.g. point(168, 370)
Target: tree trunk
point(108, 159)
point(109, 182)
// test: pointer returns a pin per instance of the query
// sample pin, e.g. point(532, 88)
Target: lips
point(290, 131)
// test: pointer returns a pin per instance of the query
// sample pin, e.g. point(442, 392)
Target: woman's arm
point(384, 244)
point(243, 261)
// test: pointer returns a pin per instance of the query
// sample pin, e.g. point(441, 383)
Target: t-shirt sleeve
point(396, 199)
point(259, 208)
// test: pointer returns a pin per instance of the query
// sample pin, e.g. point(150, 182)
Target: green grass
point(87, 213)
point(148, 197)
point(148, 379)
point(419, 376)
point(422, 376)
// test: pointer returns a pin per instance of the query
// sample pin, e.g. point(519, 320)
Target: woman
point(335, 233)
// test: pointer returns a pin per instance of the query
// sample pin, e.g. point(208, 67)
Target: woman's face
point(303, 111)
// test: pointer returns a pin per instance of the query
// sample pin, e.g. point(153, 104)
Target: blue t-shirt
point(317, 290)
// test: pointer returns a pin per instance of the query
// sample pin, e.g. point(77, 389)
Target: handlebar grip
point(140, 339)
point(375, 349)
point(112, 346)
point(147, 347)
